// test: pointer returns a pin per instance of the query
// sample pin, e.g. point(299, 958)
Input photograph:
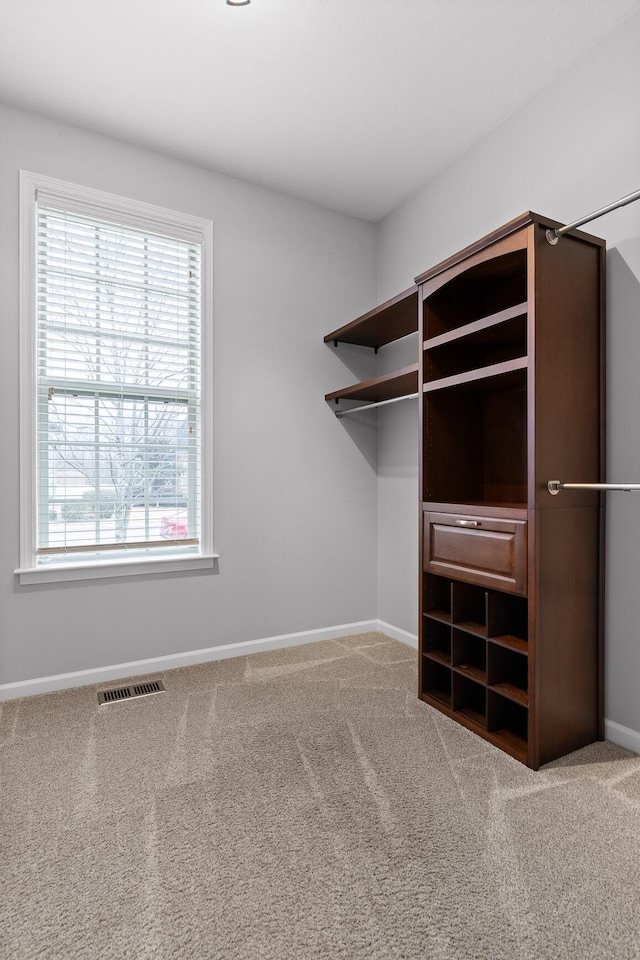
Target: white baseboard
point(615, 732)
point(397, 634)
point(623, 736)
point(62, 681)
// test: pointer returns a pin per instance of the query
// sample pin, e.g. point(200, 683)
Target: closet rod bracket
point(554, 235)
point(555, 486)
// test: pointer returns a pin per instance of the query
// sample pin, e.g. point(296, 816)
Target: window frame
point(144, 216)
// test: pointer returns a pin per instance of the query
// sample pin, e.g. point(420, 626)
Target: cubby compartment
point(436, 597)
point(469, 655)
point(470, 608)
point(436, 681)
point(508, 722)
point(485, 289)
point(470, 699)
point(475, 442)
point(500, 338)
point(507, 673)
point(507, 620)
point(436, 640)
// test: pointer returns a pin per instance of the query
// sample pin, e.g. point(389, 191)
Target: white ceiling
point(349, 103)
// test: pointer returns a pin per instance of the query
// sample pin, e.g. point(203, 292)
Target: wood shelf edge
point(439, 699)
point(373, 329)
point(387, 386)
point(440, 616)
point(516, 511)
point(475, 674)
point(473, 376)
point(476, 326)
point(437, 656)
point(517, 644)
point(474, 629)
point(511, 692)
point(474, 716)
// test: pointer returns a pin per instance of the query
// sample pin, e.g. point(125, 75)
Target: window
point(115, 396)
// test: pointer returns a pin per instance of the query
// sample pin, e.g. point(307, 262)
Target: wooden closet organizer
point(511, 379)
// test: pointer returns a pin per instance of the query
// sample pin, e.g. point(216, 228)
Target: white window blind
point(118, 413)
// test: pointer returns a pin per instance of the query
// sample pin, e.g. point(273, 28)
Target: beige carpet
point(303, 804)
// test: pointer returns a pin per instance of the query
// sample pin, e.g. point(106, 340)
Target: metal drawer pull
point(468, 523)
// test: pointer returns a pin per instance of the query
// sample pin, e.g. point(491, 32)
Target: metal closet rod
point(554, 235)
point(555, 486)
point(369, 406)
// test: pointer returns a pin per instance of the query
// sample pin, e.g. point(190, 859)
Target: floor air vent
point(119, 694)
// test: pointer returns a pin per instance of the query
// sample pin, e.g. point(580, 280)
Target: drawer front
point(482, 550)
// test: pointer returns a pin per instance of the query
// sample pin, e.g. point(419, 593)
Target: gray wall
point(571, 149)
point(295, 492)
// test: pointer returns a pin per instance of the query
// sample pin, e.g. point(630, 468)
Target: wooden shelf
point(471, 329)
point(510, 743)
point(440, 615)
point(473, 376)
point(512, 643)
point(388, 386)
point(488, 508)
point(469, 626)
point(473, 715)
point(390, 321)
point(439, 696)
point(439, 656)
point(512, 692)
point(473, 673)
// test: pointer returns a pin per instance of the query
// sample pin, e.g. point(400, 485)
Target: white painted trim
point(397, 634)
point(623, 736)
point(206, 390)
point(146, 216)
point(63, 572)
point(27, 261)
point(62, 681)
point(87, 201)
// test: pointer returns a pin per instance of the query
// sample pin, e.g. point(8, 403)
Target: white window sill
point(114, 568)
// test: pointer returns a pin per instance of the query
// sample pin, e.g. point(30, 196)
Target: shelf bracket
point(375, 349)
point(555, 486)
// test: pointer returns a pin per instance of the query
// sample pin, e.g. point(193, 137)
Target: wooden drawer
point(482, 550)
